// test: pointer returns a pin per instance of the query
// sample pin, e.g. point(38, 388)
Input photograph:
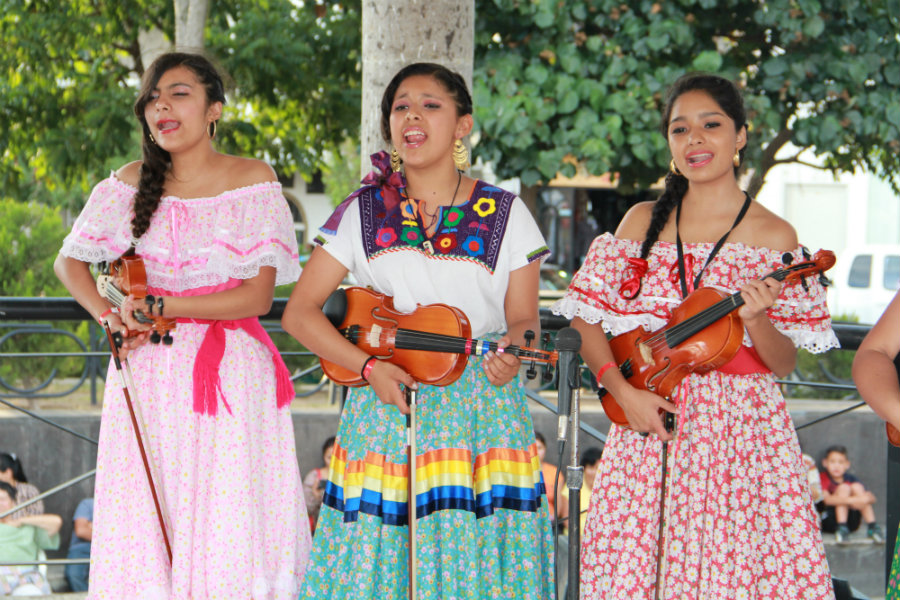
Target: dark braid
point(156, 161)
point(728, 97)
point(676, 188)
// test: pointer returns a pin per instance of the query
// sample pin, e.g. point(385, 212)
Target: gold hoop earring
point(212, 128)
point(152, 139)
point(674, 168)
point(395, 160)
point(460, 156)
point(737, 158)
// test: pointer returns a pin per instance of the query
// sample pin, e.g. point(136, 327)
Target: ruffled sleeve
point(254, 229)
point(102, 232)
point(801, 313)
point(594, 292)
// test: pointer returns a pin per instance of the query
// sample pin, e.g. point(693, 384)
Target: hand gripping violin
point(125, 277)
point(703, 334)
point(432, 343)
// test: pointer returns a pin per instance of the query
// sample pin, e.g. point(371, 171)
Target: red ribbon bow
point(385, 178)
point(688, 272)
point(631, 287)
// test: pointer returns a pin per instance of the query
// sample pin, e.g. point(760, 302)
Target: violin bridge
point(646, 354)
point(374, 336)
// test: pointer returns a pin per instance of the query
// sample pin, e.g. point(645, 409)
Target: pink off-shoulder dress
point(228, 474)
point(739, 520)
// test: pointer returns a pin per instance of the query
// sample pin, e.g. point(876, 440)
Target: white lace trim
point(816, 342)
point(73, 248)
point(611, 322)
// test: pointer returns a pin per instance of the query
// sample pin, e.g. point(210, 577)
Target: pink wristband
point(367, 367)
point(604, 369)
point(106, 313)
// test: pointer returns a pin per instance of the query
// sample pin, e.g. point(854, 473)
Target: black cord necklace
point(433, 217)
point(712, 254)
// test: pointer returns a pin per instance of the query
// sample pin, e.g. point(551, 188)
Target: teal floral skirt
point(893, 584)
point(482, 529)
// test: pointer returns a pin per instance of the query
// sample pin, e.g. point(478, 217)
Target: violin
point(432, 343)
point(126, 276)
point(703, 333)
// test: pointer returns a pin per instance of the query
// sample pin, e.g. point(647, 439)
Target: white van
point(865, 280)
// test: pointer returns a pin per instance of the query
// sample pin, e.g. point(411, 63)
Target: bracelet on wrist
point(604, 369)
point(367, 368)
point(106, 313)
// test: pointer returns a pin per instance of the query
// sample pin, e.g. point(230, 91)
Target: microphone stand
point(574, 481)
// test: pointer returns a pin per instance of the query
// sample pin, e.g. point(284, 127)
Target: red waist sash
point(745, 362)
point(208, 383)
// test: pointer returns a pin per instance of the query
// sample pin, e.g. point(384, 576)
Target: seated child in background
point(813, 478)
point(846, 498)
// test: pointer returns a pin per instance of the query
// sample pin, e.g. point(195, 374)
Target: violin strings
point(681, 331)
point(436, 342)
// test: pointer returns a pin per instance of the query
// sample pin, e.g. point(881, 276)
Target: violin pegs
point(167, 339)
point(547, 374)
point(154, 337)
point(529, 338)
point(787, 258)
point(531, 373)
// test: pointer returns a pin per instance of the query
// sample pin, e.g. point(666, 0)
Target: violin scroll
point(126, 276)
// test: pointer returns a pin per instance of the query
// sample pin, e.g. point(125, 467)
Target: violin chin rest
point(335, 307)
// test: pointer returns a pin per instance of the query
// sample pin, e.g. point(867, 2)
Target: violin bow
point(411, 488)
point(669, 423)
point(115, 343)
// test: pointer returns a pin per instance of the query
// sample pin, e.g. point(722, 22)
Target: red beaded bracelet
point(604, 369)
point(367, 367)
point(106, 313)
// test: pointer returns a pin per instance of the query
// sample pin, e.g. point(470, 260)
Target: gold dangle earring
point(395, 160)
point(212, 130)
point(152, 139)
point(737, 158)
point(673, 168)
point(460, 156)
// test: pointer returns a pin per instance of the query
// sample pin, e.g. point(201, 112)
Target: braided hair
point(156, 161)
point(729, 99)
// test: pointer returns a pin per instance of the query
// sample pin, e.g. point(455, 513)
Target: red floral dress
point(739, 520)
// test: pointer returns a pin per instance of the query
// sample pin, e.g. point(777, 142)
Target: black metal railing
point(18, 317)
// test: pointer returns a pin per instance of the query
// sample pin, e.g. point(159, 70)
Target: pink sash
point(208, 384)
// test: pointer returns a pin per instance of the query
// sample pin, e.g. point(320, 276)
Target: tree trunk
point(396, 33)
point(190, 21)
point(767, 161)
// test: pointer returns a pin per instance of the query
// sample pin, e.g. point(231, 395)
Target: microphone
point(568, 343)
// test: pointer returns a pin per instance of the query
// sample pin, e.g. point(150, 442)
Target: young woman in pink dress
point(216, 236)
point(738, 518)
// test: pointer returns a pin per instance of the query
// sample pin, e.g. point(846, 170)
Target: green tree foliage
point(581, 83)
point(31, 235)
point(69, 73)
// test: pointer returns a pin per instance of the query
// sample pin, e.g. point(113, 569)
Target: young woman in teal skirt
point(876, 367)
point(422, 232)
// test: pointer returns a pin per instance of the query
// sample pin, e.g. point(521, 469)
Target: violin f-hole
point(651, 381)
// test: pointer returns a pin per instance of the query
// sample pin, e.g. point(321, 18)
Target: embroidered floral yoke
point(739, 521)
point(228, 478)
point(482, 529)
